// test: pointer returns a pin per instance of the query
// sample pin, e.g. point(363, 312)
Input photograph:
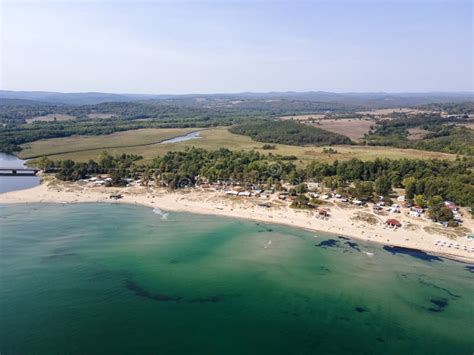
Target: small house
point(453, 207)
point(312, 185)
point(418, 209)
point(393, 223)
point(394, 208)
point(323, 212)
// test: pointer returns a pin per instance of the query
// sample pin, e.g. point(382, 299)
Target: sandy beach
point(356, 222)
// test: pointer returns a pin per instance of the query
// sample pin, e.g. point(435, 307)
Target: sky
point(180, 47)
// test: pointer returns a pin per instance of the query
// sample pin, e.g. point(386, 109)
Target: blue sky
point(232, 46)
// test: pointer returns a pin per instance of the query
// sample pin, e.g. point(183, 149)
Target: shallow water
point(99, 278)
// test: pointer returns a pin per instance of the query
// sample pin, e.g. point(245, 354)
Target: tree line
point(422, 180)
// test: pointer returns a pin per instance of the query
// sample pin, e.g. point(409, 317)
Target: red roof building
point(393, 223)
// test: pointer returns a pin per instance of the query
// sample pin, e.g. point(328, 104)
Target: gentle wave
point(164, 215)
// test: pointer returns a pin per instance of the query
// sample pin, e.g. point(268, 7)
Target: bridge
point(18, 171)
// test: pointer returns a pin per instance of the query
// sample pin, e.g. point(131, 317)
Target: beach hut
point(418, 209)
point(323, 212)
point(393, 223)
point(394, 208)
point(312, 185)
point(453, 207)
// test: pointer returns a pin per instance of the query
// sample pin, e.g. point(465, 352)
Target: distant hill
point(82, 98)
point(369, 100)
point(20, 102)
point(373, 100)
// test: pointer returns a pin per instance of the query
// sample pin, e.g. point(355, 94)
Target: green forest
point(182, 113)
point(442, 134)
point(288, 132)
point(252, 117)
point(427, 179)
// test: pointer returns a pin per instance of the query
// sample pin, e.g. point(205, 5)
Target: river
point(13, 183)
point(187, 137)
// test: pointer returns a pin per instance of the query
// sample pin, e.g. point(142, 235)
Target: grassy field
point(355, 129)
point(142, 142)
point(81, 147)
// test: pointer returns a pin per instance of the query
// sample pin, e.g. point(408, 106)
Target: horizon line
point(243, 92)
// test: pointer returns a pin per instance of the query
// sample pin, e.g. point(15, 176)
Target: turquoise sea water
point(98, 278)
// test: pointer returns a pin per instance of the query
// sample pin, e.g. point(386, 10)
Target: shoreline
point(347, 221)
